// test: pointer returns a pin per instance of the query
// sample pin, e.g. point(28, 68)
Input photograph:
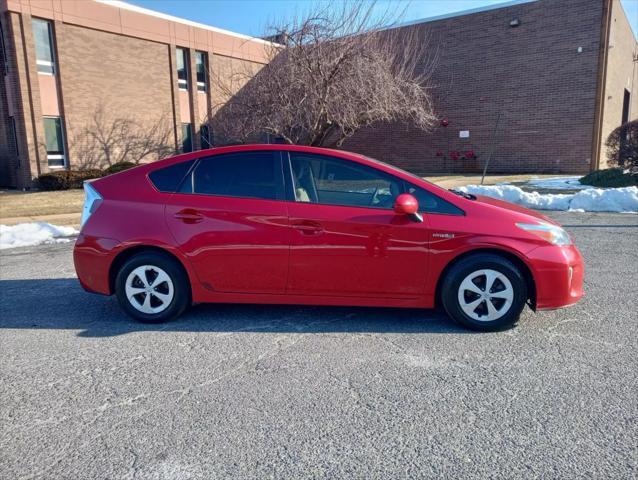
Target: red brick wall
point(532, 75)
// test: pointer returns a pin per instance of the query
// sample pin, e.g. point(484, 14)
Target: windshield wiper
point(469, 196)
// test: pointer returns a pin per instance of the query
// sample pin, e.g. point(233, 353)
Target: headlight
point(553, 234)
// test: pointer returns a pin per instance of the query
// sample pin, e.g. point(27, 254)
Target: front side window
point(43, 38)
point(430, 203)
point(182, 69)
point(332, 181)
point(245, 174)
point(187, 139)
point(200, 67)
point(54, 139)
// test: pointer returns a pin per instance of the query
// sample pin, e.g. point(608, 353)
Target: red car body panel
point(244, 250)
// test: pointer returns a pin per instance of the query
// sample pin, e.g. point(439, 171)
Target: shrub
point(118, 167)
point(66, 179)
point(622, 145)
point(610, 178)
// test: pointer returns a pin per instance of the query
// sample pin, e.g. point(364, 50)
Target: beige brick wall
point(124, 78)
point(24, 102)
point(116, 67)
point(622, 73)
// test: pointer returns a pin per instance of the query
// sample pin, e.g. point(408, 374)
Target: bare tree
point(109, 139)
point(338, 70)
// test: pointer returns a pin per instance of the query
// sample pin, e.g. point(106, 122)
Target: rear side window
point(168, 179)
point(245, 174)
point(430, 203)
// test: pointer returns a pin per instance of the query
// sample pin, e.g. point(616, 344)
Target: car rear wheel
point(484, 292)
point(152, 288)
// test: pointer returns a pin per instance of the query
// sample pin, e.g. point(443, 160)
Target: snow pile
point(558, 183)
point(29, 234)
point(590, 200)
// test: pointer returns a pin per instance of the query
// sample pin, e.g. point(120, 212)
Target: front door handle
point(189, 215)
point(308, 227)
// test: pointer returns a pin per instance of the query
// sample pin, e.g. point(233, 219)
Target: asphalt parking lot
point(289, 392)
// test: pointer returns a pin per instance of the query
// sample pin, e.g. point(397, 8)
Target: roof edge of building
point(462, 13)
point(172, 18)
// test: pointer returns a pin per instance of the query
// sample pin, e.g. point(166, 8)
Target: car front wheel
point(484, 292)
point(152, 288)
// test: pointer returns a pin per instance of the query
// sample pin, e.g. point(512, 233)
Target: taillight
point(92, 200)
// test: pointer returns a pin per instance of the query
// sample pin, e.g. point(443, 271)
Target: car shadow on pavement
point(62, 304)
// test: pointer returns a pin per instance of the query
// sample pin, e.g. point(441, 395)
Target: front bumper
point(558, 275)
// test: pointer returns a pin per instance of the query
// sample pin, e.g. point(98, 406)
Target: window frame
point(45, 63)
point(182, 83)
point(58, 155)
point(201, 86)
point(403, 185)
point(280, 185)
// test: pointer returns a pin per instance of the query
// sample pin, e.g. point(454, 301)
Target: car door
point(230, 219)
point(346, 239)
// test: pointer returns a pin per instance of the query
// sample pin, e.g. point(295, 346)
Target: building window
point(182, 69)
point(187, 139)
point(3, 52)
point(43, 38)
point(626, 101)
point(14, 137)
point(200, 67)
point(54, 137)
point(204, 137)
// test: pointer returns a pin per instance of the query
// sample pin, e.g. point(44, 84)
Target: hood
point(513, 208)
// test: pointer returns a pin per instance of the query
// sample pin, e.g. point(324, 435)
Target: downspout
point(599, 108)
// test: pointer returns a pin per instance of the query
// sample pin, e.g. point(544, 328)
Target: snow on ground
point(29, 234)
point(558, 183)
point(590, 200)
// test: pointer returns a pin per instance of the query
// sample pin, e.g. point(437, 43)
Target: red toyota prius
point(279, 224)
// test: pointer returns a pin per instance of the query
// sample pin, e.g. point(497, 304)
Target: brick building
point(113, 68)
point(559, 75)
point(562, 74)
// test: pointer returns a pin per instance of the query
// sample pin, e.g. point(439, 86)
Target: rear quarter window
point(168, 179)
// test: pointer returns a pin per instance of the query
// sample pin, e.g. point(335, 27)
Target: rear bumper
point(92, 257)
point(558, 274)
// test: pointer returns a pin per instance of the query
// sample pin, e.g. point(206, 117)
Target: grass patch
point(29, 204)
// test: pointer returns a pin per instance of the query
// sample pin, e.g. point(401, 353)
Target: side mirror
point(406, 204)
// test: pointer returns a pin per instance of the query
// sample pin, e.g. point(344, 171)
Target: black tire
point(470, 265)
point(181, 291)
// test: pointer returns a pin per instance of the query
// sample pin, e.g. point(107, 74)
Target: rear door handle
point(308, 227)
point(189, 215)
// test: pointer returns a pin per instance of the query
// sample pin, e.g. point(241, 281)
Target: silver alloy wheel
point(149, 289)
point(485, 295)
